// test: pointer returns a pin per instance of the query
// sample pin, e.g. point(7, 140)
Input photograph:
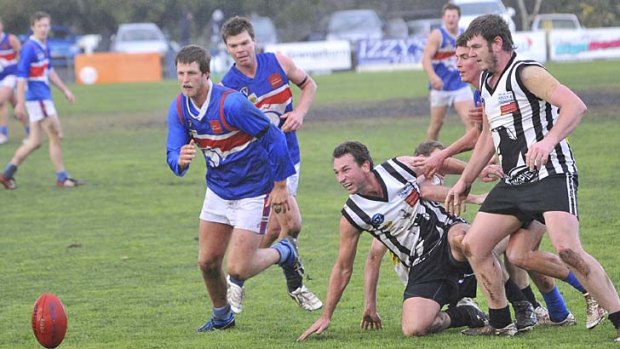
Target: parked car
point(548, 21)
point(471, 9)
point(423, 27)
point(140, 38)
point(264, 31)
point(354, 25)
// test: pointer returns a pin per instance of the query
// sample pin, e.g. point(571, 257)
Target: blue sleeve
point(242, 114)
point(178, 136)
point(25, 57)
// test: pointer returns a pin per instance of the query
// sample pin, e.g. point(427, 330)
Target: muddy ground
point(607, 101)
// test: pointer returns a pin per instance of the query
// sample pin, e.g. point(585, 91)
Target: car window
point(557, 24)
point(348, 21)
point(477, 8)
point(139, 35)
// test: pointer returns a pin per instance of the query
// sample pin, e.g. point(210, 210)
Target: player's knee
point(413, 330)
point(517, 258)
point(210, 267)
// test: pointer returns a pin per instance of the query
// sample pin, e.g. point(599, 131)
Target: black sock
point(615, 319)
point(293, 279)
point(513, 292)
point(499, 318)
point(458, 317)
point(527, 292)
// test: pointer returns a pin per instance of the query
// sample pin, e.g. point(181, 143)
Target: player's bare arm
point(370, 317)
point(340, 276)
point(432, 45)
point(299, 77)
point(434, 162)
point(278, 198)
point(55, 79)
point(483, 152)
point(542, 84)
point(20, 106)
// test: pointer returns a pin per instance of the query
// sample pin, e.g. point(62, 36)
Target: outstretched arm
point(341, 274)
point(370, 317)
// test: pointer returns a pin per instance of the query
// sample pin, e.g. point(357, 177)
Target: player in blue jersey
point(439, 63)
point(247, 165)
point(9, 55)
point(265, 79)
point(34, 74)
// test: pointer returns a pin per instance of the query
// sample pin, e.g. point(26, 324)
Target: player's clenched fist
point(188, 152)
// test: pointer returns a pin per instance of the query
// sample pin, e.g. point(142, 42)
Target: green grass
point(121, 251)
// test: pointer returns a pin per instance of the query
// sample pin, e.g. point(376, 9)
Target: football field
point(121, 251)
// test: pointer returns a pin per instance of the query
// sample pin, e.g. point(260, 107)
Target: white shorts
point(39, 110)
point(249, 214)
point(9, 81)
point(292, 182)
point(448, 98)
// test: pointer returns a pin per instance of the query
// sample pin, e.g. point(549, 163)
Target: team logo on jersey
point(507, 103)
point(245, 91)
point(216, 127)
point(377, 219)
point(406, 190)
point(275, 80)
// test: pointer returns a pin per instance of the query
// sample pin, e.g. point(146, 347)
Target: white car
point(470, 9)
point(139, 38)
point(549, 21)
point(354, 25)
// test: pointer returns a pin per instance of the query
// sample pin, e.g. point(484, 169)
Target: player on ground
point(439, 63)
point(529, 115)
point(34, 74)
point(246, 158)
point(265, 79)
point(387, 202)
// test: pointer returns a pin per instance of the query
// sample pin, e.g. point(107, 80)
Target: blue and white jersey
point(517, 119)
point(444, 62)
point(8, 57)
point(269, 90)
point(407, 225)
point(34, 67)
point(244, 153)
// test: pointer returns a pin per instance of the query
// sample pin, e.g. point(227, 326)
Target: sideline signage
point(389, 54)
point(317, 56)
point(584, 45)
point(531, 44)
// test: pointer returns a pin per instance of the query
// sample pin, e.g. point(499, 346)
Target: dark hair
point(450, 6)
point(235, 26)
point(359, 152)
point(490, 27)
point(461, 40)
point(39, 15)
point(193, 53)
point(426, 148)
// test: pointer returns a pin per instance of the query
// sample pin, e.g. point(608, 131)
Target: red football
point(49, 320)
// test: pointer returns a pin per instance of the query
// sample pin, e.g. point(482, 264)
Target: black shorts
point(436, 277)
point(529, 201)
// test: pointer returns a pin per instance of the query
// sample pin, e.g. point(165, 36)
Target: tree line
point(295, 19)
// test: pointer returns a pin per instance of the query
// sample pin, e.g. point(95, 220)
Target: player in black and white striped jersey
point(387, 202)
point(529, 115)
